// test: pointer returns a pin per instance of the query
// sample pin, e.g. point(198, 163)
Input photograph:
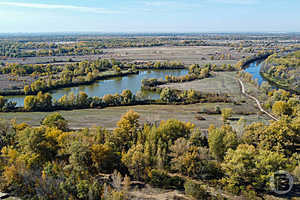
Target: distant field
point(187, 55)
point(221, 82)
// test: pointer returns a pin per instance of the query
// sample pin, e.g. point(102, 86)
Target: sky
point(136, 16)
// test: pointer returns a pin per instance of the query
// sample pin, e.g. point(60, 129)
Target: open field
point(220, 82)
point(187, 55)
point(108, 117)
point(8, 82)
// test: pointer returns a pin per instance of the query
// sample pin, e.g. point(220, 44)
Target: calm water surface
point(112, 86)
point(254, 69)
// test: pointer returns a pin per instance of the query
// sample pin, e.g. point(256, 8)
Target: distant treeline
point(72, 46)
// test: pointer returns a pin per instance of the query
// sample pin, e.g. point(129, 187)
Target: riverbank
point(101, 76)
point(282, 70)
point(279, 84)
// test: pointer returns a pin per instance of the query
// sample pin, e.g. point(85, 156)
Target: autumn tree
point(29, 103)
point(105, 160)
point(127, 97)
point(126, 133)
point(136, 161)
point(26, 89)
point(226, 114)
point(82, 100)
point(281, 108)
point(187, 159)
point(168, 95)
point(55, 120)
point(38, 145)
point(279, 136)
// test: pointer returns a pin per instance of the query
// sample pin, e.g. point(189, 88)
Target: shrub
point(163, 180)
point(195, 190)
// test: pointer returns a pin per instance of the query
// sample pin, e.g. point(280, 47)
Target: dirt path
point(257, 102)
point(159, 196)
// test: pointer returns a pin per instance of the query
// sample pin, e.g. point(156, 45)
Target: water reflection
point(114, 85)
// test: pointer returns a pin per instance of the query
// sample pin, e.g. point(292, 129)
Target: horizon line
point(142, 32)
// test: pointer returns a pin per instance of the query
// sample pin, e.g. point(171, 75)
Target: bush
point(195, 190)
point(163, 180)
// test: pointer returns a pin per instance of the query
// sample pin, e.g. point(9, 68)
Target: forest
point(54, 162)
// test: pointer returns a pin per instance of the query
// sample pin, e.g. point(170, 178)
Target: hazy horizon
point(145, 16)
point(154, 33)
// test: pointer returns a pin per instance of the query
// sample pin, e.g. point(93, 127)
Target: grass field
point(220, 82)
point(187, 55)
point(108, 117)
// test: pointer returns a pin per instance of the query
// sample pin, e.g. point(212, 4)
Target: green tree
point(7, 134)
point(220, 140)
point(247, 167)
point(80, 157)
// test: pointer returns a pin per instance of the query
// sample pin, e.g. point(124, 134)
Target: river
point(131, 82)
point(254, 69)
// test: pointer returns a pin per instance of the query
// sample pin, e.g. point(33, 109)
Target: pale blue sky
point(149, 16)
